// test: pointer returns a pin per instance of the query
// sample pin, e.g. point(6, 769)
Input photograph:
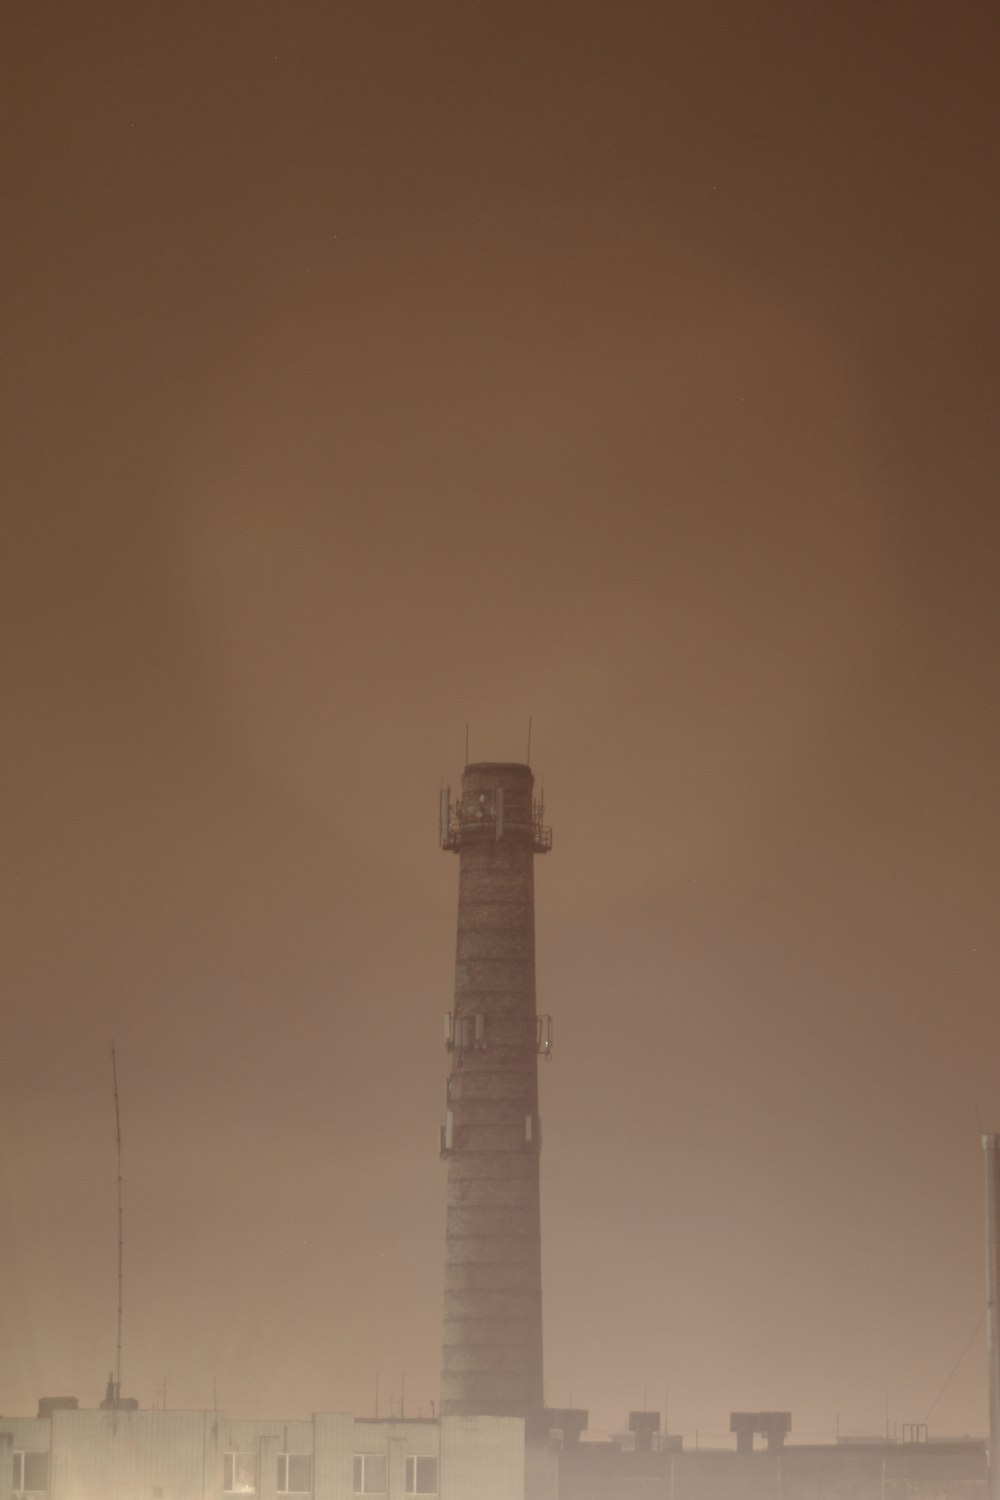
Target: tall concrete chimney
point(491, 1362)
point(991, 1154)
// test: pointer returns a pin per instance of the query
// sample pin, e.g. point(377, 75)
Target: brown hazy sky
point(372, 369)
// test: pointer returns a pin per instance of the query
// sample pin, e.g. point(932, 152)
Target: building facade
point(119, 1454)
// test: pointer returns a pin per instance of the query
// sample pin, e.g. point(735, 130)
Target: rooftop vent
point(644, 1424)
point(561, 1425)
point(48, 1404)
point(774, 1425)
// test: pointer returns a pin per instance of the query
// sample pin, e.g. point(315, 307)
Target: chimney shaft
point(492, 1335)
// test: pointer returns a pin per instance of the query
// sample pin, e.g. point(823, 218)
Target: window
point(369, 1474)
point(421, 1476)
point(31, 1471)
point(295, 1473)
point(464, 1032)
point(240, 1474)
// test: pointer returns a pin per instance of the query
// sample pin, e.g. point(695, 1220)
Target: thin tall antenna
point(121, 1239)
point(528, 760)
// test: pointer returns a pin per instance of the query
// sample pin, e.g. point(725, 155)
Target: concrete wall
point(135, 1455)
point(333, 1454)
point(482, 1458)
point(6, 1462)
point(149, 1455)
point(177, 1455)
point(919, 1471)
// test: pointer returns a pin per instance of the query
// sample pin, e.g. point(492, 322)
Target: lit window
point(295, 1473)
point(240, 1474)
point(421, 1476)
point(369, 1474)
point(31, 1472)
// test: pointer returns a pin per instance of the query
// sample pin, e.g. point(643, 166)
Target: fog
point(376, 371)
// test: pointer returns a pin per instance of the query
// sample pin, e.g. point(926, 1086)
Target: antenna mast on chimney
point(118, 1141)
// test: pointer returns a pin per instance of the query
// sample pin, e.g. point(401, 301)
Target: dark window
point(31, 1471)
point(295, 1473)
point(421, 1476)
point(369, 1474)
